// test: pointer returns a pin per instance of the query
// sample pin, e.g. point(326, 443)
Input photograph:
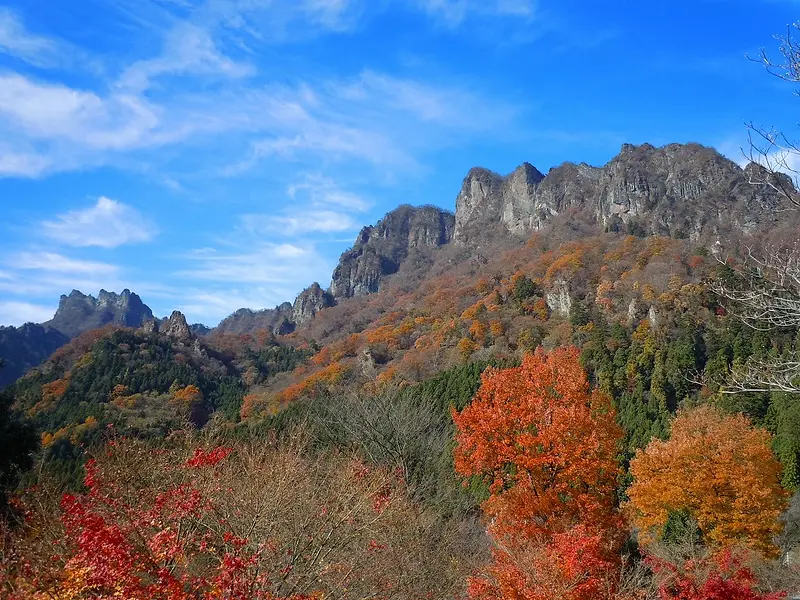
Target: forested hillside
point(556, 405)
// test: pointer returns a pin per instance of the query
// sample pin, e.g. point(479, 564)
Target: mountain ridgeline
point(27, 346)
point(681, 191)
point(24, 347)
point(685, 191)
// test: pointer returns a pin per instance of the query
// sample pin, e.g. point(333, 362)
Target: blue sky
point(217, 154)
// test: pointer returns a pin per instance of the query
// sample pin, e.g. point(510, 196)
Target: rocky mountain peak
point(176, 327)
point(679, 190)
point(526, 174)
point(380, 249)
point(79, 312)
point(310, 301)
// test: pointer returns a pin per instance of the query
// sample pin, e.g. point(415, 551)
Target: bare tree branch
point(766, 291)
point(769, 148)
point(765, 375)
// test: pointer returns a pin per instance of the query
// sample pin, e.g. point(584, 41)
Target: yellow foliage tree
point(466, 347)
point(719, 469)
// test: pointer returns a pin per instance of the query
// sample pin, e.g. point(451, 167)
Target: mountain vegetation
point(555, 392)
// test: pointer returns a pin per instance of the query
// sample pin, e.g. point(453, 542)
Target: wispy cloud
point(374, 118)
point(188, 50)
point(58, 263)
point(322, 191)
point(44, 274)
point(18, 162)
point(302, 222)
point(454, 12)
point(52, 126)
point(452, 106)
point(19, 313)
point(107, 224)
point(203, 87)
point(254, 275)
point(269, 263)
point(17, 41)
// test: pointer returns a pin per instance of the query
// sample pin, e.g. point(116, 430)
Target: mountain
point(78, 312)
point(310, 301)
point(680, 190)
point(24, 347)
point(613, 260)
point(379, 251)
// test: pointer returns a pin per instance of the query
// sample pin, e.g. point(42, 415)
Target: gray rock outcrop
point(78, 312)
point(176, 327)
point(379, 250)
point(310, 301)
point(679, 190)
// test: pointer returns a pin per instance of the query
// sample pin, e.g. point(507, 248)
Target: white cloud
point(210, 307)
point(448, 106)
point(375, 119)
point(269, 263)
point(333, 141)
point(189, 49)
point(256, 276)
point(454, 12)
point(324, 192)
point(50, 261)
point(23, 164)
point(16, 41)
point(302, 222)
point(107, 224)
point(201, 89)
point(52, 127)
point(19, 313)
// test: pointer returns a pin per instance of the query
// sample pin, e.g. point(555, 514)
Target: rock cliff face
point(176, 327)
point(379, 250)
point(680, 190)
point(310, 301)
point(78, 312)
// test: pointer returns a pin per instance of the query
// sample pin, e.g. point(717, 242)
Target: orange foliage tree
point(720, 470)
point(547, 446)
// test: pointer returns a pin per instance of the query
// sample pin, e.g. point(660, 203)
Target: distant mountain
point(28, 346)
point(78, 312)
point(22, 348)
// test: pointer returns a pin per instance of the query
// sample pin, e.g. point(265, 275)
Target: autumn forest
point(597, 399)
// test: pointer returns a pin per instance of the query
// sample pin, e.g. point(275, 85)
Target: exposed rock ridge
point(78, 312)
point(679, 190)
point(379, 250)
point(176, 327)
point(310, 301)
